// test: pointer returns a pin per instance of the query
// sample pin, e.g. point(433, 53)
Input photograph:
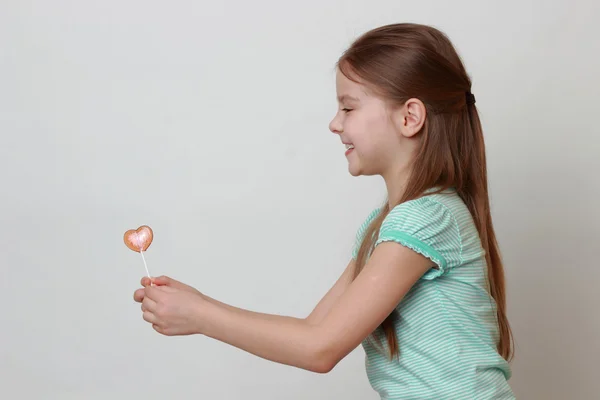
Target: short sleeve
point(427, 227)
point(360, 234)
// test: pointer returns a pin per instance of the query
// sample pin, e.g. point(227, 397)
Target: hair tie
point(470, 98)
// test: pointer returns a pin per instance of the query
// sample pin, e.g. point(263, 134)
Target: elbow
point(323, 361)
point(320, 366)
point(324, 351)
point(324, 367)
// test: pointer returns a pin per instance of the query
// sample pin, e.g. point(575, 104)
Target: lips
point(349, 148)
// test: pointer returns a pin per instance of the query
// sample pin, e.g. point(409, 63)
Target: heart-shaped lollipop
point(139, 239)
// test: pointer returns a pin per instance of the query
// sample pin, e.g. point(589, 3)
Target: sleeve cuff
point(419, 247)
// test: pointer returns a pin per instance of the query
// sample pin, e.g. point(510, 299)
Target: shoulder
point(429, 226)
point(422, 214)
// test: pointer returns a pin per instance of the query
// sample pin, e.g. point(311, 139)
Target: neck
point(396, 185)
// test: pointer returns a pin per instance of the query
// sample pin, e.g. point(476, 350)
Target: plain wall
point(209, 122)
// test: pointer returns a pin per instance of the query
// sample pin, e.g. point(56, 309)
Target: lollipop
point(139, 240)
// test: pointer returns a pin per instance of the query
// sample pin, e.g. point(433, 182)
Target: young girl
point(424, 290)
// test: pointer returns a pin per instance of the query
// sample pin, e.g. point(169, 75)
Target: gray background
point(209, 122)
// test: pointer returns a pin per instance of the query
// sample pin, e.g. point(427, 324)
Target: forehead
point(348, 90)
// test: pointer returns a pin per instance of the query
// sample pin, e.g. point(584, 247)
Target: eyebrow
point(347, 97)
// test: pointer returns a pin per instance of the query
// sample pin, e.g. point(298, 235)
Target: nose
point(335, 125)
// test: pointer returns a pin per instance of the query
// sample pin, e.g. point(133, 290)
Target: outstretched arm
point(321, 309)
point(316, 315)
point(391, 271)
point(163, 280)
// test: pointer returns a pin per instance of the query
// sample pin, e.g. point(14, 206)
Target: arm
point(319, 346)
point(332, 295)
point(167, 281)
point(248, 313)
point(317, 314)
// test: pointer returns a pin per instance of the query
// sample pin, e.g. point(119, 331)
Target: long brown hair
point(403, 61)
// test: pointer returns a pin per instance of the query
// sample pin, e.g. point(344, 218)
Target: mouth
point(349, 148)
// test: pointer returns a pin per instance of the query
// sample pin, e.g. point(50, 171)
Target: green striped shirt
point(447, 330)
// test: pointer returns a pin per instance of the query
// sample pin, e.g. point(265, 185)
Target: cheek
point(378, 134)
point(369, 132)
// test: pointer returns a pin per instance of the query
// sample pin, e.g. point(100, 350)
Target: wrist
point(203, 315)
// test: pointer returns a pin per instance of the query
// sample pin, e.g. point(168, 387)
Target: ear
point(411, 117)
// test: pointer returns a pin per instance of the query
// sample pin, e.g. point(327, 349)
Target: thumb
point(146, 281)
point(164, 281)
point(167, 289)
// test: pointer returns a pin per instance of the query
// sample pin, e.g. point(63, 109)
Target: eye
point(346, 110)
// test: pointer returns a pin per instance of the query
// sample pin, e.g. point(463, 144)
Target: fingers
point(153, 292)
point(159, 329)
point(149, 317)
point(167, 289)
point(138, 295)
point(146, 281)
point(148, 305)
point(159, 281)
point(165, 281)
point(159, 293)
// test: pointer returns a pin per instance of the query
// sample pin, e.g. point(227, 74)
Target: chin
point(353, 170)
point(356, 168)
point(356, 171)
point(359, 170)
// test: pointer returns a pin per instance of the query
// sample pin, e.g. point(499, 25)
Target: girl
point(424, 290)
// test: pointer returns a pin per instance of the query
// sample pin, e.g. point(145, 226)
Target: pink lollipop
point(139, 240)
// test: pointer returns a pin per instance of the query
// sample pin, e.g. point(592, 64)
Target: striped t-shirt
point(447, 330)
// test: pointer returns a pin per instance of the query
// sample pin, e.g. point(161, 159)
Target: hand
point(138, 295)
point(172, 307)
point(173, 311)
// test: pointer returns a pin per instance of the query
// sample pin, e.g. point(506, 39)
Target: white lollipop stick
point(145, 266)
